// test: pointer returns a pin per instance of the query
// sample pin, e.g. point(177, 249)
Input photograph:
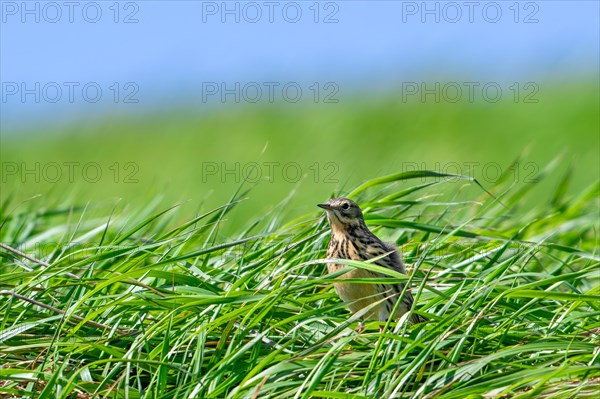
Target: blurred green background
point(177, 144)
point(312, 150)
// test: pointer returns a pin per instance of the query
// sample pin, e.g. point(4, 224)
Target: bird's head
point(343, 213)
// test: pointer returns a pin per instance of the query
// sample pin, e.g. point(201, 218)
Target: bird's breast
point(356, 295)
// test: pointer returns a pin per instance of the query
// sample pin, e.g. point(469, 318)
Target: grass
point(129, 303)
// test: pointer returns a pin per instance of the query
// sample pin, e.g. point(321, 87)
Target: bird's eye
point(345, 206)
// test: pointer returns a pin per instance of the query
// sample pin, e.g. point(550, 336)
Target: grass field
point(126, 305)
point(188, 284)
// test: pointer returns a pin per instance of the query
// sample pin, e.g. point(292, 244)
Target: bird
point(352, 239)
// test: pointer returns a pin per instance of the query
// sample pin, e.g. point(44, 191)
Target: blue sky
point(168, 49)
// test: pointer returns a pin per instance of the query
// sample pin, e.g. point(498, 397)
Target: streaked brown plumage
point(352, 239)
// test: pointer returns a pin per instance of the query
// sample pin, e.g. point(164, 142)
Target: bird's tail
point(417, 318)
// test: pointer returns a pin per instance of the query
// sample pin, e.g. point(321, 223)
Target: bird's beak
point(324, 206)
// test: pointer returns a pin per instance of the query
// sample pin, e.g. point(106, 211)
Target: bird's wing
point(394, 258)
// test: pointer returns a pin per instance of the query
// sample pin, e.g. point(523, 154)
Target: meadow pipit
point(352, 239)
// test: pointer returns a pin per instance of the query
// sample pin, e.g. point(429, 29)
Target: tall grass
point(128, 304)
